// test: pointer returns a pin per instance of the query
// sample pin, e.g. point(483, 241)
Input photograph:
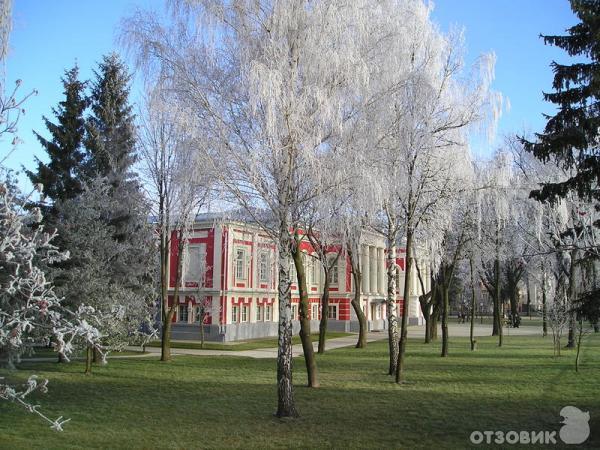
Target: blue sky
point(50, 36)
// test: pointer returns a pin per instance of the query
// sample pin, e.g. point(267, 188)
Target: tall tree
point(115, 277)
point(30, 311)
point(110, 155)
point(61, 177)
point(177, 183)
point(110, 134)
point(268, 100)
point(571, 136)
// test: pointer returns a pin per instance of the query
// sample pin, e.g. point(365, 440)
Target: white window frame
point(294, 311)
point(188, 258)
point(314, 314)
point(244, 313)
point(312, 273)
point(259, 313)
point(240, 264)
point(333, 308)
point(183, 307)
point(267, 313)
point(264, 267)
point(334, 276)
point(234, 314)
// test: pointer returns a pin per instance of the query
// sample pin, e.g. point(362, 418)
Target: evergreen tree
point(110, 138)
point(61, 178)
point(110, 144)
point(572, 136)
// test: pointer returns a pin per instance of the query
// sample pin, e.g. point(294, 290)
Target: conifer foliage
point(110, 138)
point(96, 203)
point(572, 136)
point(60, 177)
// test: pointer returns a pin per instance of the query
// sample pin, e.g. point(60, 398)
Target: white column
point(380, 271)
point(366, 270)
point(373, 275)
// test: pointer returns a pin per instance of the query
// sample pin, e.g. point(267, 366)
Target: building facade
point(230, 269)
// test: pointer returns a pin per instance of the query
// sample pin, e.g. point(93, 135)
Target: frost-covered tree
point(178, 183)
point(571, 136)
point(106, 270)
point(266, 83)
point(495, 207)
point(115, 277)
point(30, 311)
point(423, 111)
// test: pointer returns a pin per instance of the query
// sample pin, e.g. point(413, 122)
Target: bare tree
point(178, 185)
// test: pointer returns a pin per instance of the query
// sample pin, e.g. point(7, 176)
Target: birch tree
point(265, 83)
point(178, 183)
point(423, 113)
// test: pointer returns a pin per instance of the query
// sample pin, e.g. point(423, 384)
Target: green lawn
point(45, 352)
point(533, 321)
point(249, 344)
point(217, 402)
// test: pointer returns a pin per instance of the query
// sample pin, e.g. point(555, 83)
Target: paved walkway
point(455, 330)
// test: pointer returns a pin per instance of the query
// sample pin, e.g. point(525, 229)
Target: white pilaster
point(366, 270)
point(381, 271)
point(373, 275)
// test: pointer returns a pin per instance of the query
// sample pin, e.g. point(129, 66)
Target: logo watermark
point(575, 430)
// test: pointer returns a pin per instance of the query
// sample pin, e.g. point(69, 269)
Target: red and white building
point(231, 266)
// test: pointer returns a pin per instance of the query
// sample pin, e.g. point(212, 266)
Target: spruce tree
point(110, 156)
point(110, 134)
point(61, 176)
point(572, 136)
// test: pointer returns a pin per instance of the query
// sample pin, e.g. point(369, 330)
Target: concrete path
point(455, 330)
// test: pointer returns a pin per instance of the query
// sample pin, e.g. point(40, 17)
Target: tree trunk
point(514, 307)
point(88, 360)
point(498, 318)
point(580, 335)
point(426, 301)
point(404, 326)
point(97, 357)
point(435, 315)
point(285, 391)
point(572, 298)
point(360, 315)
point(169, 312)
point(446, 307)
point(201, 331)
point(362, 320)
point(471, 331)
point(544, 305)
point(391, 306)
point(324, 315)
point(305, 338)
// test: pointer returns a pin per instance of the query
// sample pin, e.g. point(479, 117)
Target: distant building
point(232, 267)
